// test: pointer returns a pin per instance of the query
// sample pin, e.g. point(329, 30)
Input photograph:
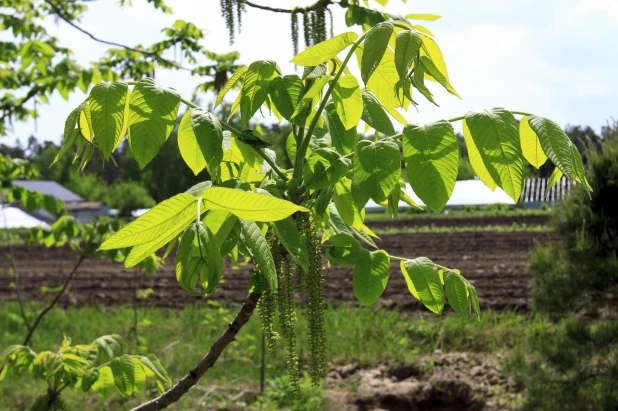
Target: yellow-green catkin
point(267, 306)
point(287, 320)
point(294, 30)
point(316, 303)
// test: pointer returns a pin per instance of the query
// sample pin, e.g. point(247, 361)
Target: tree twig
point(54, 301)
point(147, 52)
point(319, 3)
point(182, 387)
point(18, 289)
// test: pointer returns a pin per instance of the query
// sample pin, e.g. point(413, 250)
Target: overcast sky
point(556, 58)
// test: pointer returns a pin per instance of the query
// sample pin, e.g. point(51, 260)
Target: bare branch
point(319, 3)
point(184, 385)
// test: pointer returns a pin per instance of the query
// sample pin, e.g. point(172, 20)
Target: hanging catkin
point(267, 305)
point(287, 319)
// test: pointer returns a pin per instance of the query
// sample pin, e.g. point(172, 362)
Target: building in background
point(84, 211)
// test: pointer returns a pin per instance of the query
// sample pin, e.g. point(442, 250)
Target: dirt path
point(496, 263)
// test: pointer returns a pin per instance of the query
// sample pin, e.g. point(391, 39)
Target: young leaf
point(152, 116)
point(163, 222)
point(287, 233)
point(424, 16)
point(425, 280)
point(345, 250)
point(370, 276)
point(554, 178)
point(256, 243)
point(107, 108)
point(495, 135)
point(85, 123)
point(348, 101)
point(433, 60)
point(104, 386)
point(407, 46)
point(211, 275)
point(377, 168)
point(555, 143)
point(374, 114)
point(324, 168)
point(474, 300)
point(186, 275)
point(123, 370)
point(200, 140)
point(456, 292)
point(229, 84)
point(431, 156)
point(376, 43)
point(343, 140)
point(255, 89)
point(285, 92)
point(530, 144)
point(475, 159)
point(346, 207)
point(249, 206)
point(70, 132)
point(325, 50)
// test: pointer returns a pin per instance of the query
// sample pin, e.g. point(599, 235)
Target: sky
point(554, 58)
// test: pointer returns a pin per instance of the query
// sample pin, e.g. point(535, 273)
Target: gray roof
point(49, 187)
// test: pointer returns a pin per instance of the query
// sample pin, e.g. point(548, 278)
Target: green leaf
point(345, 250)
point(140, 376)
point(376, 43)
point(377, 168)
point(431, 156)
point(324, 168)
point(370, 276)
point(229, 84)
point(555, 143)
point(255, 89)
point(152, 362)
point(108, 103)
point(475, 159)
point(579, 174)
point(256, 243)
point(311, 97)
point(343, 140)
point(249, 206)
point(89, 379)
point(418, 80)
point(407, 46)
point(286, 92)
point(290, 147)
point(495, 135)
point(424, 16)
point(211, 276)
point(109, 345)
point(325, 50)
point(346, 206)
point(152, 116)
point(425, 280)
point(348, 101)
point(287, 233)
point(187, 275)
point(85, 123)
point(474, 300)
point(162, 223)
point(123, 370)
point(70, 132)
point(554, 178)
point(374, 114)
point(530, 144)
point(104, 386)
point(200, 140)
point(456, 292)
point(433, 60)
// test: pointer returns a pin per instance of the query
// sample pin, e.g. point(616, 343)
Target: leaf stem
point(454, 119)
point(302, 150)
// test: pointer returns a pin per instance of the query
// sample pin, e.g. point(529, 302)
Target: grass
point(490, 210)
point(464, 229)
point(181, 337)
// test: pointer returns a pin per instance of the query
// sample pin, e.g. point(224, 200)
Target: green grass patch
point(464, 229)
point(180, 338)
point(490, 210)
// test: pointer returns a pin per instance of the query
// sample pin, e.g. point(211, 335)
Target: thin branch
point(319, 3)
point(18, 289)
point(54, 301)
point(151, 53)
point(182, 387)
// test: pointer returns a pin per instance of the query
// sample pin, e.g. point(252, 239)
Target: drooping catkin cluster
point(314, 25)
point(287, 319)
point(316, 302)
point(294, 30)
point(267, 306)
point(232, 11)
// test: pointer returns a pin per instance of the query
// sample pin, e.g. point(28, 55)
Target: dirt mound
point(496, 263)
point(453, 381)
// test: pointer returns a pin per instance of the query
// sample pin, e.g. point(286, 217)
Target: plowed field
point(495, 262)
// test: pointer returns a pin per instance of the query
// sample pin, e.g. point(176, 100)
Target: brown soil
point(496, 263)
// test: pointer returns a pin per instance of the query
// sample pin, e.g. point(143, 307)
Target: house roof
point(49, 187)
point(466, 192)
point(17, 218)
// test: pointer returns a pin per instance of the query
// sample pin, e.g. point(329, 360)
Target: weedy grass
point(489, 210)
point(464, 229)
point(364, 335)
